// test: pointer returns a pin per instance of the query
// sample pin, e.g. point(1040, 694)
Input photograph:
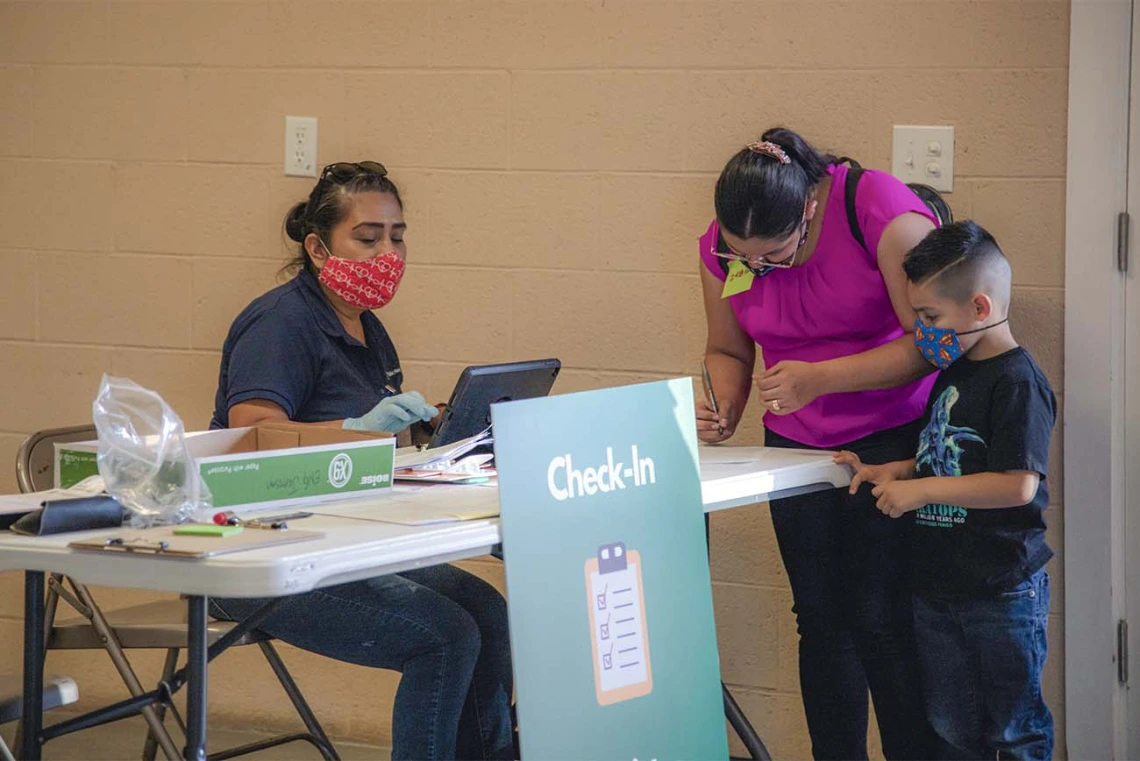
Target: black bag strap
point(930, 198)
point(854, 174)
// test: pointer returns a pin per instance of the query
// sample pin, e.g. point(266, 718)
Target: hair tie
point(770, 149)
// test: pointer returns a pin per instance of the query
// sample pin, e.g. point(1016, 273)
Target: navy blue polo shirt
point(288, 347)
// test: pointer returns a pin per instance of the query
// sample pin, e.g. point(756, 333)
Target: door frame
point(1100, 67)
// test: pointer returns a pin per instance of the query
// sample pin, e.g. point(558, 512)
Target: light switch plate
point(924, 154)
point(301, 146)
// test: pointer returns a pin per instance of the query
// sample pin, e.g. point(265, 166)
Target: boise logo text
point(340, 471)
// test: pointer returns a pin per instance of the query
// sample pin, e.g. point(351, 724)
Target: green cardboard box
point(267, 465)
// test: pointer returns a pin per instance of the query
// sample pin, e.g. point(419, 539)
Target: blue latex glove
point(394, 413)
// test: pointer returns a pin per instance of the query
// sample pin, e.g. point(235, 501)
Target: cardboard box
point(267, 465)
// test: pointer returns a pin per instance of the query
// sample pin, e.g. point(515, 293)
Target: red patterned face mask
point(367, 284)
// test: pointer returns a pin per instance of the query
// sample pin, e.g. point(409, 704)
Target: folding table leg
point(32, 722)
point(196, 680)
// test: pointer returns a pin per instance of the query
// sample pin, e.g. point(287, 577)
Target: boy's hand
point(899, 497)
point(873, 474)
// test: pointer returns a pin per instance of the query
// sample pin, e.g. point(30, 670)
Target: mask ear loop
point(328, 253)
point(805, 232)
point(764, 267)
point(328, 250)
point(984, 327)
point(814, 204)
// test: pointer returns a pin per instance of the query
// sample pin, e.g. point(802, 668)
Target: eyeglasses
point(724, 251)
point(343, 171)
point(738, 258)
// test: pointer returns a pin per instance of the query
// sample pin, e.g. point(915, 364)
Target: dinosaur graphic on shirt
point(940, 444)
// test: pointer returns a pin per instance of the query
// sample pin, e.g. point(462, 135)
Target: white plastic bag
point(143, 456)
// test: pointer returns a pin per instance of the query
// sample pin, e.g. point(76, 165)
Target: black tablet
point(469, 409)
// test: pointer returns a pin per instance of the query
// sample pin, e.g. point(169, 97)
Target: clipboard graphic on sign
point(619, 633)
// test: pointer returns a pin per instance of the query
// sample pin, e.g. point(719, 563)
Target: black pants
point(848, 566)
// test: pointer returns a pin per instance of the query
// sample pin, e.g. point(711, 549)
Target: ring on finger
point(775, 405)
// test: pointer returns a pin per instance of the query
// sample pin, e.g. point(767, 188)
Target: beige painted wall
point(557, 161)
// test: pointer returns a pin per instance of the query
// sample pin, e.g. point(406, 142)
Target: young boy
point(977, 484)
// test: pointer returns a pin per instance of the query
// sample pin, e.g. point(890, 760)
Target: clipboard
point(619, 633)
point(163, 542)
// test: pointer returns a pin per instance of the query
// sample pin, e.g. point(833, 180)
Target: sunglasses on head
point(343, 171)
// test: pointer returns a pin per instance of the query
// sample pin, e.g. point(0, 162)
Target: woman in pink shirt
point(782, 270)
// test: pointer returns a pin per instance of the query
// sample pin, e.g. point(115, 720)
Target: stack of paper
point(474, 469)
point(440, 457)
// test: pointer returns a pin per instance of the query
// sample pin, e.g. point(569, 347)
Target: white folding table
point(359, 542)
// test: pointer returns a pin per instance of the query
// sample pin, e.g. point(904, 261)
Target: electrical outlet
point(301, 146)
point(926, 155)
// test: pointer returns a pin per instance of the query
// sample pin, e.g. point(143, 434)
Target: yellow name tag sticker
point(739, 280)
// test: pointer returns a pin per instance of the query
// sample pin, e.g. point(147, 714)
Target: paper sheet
point(430, 505)
point(25, 503)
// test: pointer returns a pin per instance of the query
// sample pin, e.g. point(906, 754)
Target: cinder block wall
point(557, 162)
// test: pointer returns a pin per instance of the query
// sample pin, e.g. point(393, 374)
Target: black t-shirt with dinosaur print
point(989, 416)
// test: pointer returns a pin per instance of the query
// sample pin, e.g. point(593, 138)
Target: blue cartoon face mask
point(940, 346)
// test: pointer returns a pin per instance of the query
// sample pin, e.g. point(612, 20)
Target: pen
point(711, 394)
point(229, 518)
point(280, 525)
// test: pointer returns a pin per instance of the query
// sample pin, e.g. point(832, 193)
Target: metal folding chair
point(58, 691)
point(152, 626)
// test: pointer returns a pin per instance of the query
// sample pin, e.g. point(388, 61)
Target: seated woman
point(311, 352)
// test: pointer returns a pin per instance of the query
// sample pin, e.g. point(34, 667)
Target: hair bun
point(295, 226)
point(783, 137)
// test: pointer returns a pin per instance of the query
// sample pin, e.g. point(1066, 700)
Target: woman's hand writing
point(713, 428)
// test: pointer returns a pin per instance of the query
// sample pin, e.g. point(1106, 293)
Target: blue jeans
point(848, 567)
point(981, 661)
point(442, 628)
